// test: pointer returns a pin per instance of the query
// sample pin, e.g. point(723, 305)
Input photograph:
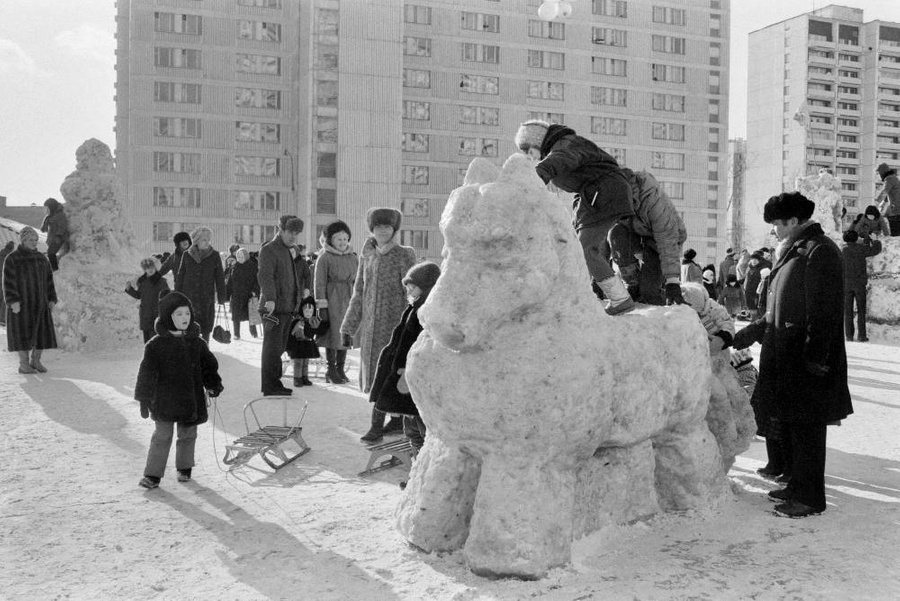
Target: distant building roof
point(9, 230)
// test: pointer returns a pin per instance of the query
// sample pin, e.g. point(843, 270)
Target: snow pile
point(548, 419)
point(883, 299)
point(94, 313)
point(824, 189)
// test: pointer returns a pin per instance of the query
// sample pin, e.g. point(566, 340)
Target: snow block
point(548, 419)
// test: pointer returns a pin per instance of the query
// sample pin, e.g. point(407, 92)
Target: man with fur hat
point(803, 361)
point(377, 302)
point(856, 278)
point(888, 200)
point(182, 241)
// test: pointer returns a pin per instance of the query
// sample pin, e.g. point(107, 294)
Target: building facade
point(823, 93)
point(231, 112)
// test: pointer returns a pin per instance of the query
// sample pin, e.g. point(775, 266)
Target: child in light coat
point(718, 323)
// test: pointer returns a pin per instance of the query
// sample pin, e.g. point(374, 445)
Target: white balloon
point(548, 11)
point(565, 9)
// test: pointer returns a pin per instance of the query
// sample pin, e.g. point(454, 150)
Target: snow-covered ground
point(75, 525)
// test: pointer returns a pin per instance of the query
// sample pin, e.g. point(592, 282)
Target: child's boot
point(298, 373)
point(304, 373)
point(376, 432)
point(25, 364)
point(184, 475)
point(36, 361)
point(617, 295)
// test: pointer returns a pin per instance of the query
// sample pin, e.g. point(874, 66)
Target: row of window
point(190, 93)
point(189, 162)
point(421, 15)
point(190, 58)
point(245, 131)
point(252, 200)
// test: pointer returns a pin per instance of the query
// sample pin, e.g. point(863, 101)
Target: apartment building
point(823, 93)
point(230, 112)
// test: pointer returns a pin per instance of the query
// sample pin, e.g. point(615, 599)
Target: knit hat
point(27, 231)
point(531, 134)
point(333, 228)
point(168, 302)
point(709, 276)
point(741, 358)
point(181, 237)
point(873, 211)
point(383, 216)
point(787, 205)
point(851, 236)
point(884, 170)
point(689, 254)
point(764, 272)
point(424, 275)
point(695, 295)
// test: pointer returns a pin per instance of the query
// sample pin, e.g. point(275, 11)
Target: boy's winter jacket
point(147, 291)
point(393, 358)
point(854, 256)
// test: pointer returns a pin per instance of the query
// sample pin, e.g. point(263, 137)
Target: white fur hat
point(531, 134)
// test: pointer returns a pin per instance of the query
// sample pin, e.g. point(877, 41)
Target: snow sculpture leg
point(688, 468)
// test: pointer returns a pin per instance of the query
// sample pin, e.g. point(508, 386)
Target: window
point(846, 154)
point(714, 83)
point(412, 142)
point(259, 166)
point(326, 93)
point(715, 54)
point(326, 56)
point(414, 207)
point(479, 84)
point(713, 111)
point(416, 46)
point(672, 189)
point(480, 53)
point(326, 165)
point(847, 35)
point(848, 73)
point(178, 58)
point(546, 90)
point(668, 131)
point(326, 129)
point(253, 234)
point(251, 131)
point(176, 162)
point(258, 63)
point(840, 170)
point(850, 58)
point(259, 31)
point(261, 3)
point(550, 30)
point(823, 71)
point(169, 91)
point(420, 15)
point(669, 16)
point(176, 197)
point(610, 8)
point(483, 147)
point(668, 44)
point(417, 110)
point(848, 106)
point(327, 21)
point(550, 118)
point(608, 126)
point(617, 153)
point(176, 127)
point(480, 22)
point(818, 87)
point(715, 28)
point(415, 238)
point(609, 66)
point(821, 54)
point(607, 36)
point(667, 102)
point(815, 102)
point(669, 73)
point(175, 23)
point(479, 115)
point(163, 232)
point(256, 200)
point(544, 59)
point(415, 175)
point(849, 139)
point(667, 160)
point(257, 98)
point(416, 78)
point(712, 198)
point(820, 119)
point(326, 201)
point(609, 96)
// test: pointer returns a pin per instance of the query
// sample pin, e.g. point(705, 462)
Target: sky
point(57, 80)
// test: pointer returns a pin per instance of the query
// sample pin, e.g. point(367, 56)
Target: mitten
point(673, 294)
point(402, 387)
point(743, 339)
point(347, 340)
point(216, 391)
point(323, 314)
point(145, 410)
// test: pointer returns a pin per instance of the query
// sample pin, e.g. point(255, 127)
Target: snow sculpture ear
point(481, 171)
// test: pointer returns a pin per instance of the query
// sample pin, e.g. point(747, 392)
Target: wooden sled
point(277, 445)
point(399, 452)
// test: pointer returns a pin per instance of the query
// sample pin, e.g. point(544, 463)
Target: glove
point(347, 340)
point(270, 306)
point(673, 294)
point(323, 314)
point(816, 369)
point(214, 392)
point(402, 387)
point(145, 410)
point(743, 339)
point(15, 307)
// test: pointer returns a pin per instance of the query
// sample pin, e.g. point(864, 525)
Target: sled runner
point(399, 452)
point(277, 445)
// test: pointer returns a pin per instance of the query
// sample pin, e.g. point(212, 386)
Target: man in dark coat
point(888, 201)
point(856, 277)
point(727, 266)
point(182, 241)
point(147, 289)
point(803, 362)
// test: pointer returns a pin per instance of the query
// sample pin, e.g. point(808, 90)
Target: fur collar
point(199, 255)
point(327, 248)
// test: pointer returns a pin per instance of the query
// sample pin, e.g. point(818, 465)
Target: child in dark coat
point(301, 345)
point(732, 296)
point(147, 289)
point(389, 391)
point(176, 368)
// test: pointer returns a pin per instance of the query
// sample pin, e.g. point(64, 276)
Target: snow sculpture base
point(883, 298)
point(548, 419)
point(94, 313)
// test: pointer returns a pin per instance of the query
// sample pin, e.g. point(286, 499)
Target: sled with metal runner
point(277, 445)
point(399, 452)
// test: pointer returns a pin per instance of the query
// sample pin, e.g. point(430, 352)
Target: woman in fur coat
point(201, 278)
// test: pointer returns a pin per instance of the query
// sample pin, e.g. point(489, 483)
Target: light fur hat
point(531, 134)
point(695, 295)
point(709, 276)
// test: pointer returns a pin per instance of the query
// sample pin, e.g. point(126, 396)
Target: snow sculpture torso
point(824, 189)
point(547, 419)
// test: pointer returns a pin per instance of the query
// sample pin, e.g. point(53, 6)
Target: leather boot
point(25, 364)
point(340, 357)
point(331, 375)
point(376, 432)
point(36, 361)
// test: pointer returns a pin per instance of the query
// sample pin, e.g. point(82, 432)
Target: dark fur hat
point(181, 237)
point(885, 170)
point(333, 228)
point(170, 300)
point(383, 216)
point(873, 210)
point(787, 205)
point(690, 254)
point(851, 236)
point(424, 275)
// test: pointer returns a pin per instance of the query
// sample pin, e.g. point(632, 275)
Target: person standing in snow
point(888, 200)
point(803, 361)
point(726, 267)
point(301, 344)
point(241, 285)
point(377, 303)
point(147, 289)
point(10, 246)
point(56, 224)
point(335, 273)
point(709, 281)
point(201, 278)
point(690, 270)
point(176, 368)
point(856, 279)
point(182, 241)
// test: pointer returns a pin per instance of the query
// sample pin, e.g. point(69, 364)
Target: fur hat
point(731, 278)
point(150, 262)
point(383, 216)
point(851, 236)
point(873, 210)
point(695, 295)
point(709, 276)
point(787, 205)
point(293, 224)
point(169, 300)
point(741, 358)
point(531, 134)
point(333, 228)
point(181, 237)
point(689, 254)
point(53, 204)
point(424, 275)
point(884, 170)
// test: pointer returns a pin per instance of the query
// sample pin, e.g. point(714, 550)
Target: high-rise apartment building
point(823, 93)
point(231, 112)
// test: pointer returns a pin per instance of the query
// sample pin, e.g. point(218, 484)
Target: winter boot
point(25, 365)
point(331, 375)
point(376, 432)
point(619, 299)
point(298, 373)
point(149, 482)
point(184, 475)
point(340, 359)
point(394, 426)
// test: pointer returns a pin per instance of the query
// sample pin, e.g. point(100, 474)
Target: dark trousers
point(594, 241)
point(414, 430)
point(807, 483)
point(855, 292)
point(648, 276)
point(894, 222)
point(53, 247)
point(237, 328)
point(275, 337)
point(148, 334)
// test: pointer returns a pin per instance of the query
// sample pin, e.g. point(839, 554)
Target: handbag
point(220, 334)
point(253, 311)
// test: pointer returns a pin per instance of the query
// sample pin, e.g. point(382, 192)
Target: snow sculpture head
point(824, 189)
point(506, 239)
